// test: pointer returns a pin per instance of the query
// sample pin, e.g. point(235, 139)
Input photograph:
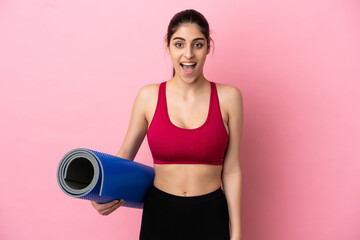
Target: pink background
point(70, 71)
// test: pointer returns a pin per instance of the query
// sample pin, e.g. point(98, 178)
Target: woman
point(194, 128)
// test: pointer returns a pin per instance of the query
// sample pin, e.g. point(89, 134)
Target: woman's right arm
point(138, 124)
point(135, 135)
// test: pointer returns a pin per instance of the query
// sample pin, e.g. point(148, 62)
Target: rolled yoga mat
point(88, 174)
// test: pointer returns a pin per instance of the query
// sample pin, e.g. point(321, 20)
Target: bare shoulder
point(146, 100)
point(229, 95)
point(147, 95)
point(149, 91)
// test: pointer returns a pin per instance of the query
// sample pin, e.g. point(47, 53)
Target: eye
point(178, 44)
point(198, 45)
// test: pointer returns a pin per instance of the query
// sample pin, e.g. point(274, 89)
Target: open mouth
point(188, 67)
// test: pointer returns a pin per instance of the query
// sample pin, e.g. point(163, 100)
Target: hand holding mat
point(100, 177)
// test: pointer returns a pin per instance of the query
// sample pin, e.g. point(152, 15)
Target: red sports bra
point(203, 145)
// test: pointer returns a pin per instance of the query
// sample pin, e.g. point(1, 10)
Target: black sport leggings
point(171, 217)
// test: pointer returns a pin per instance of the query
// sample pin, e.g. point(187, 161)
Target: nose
point(189, 52)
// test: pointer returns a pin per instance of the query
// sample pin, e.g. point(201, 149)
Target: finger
point(104, 206)
point(96, 205)
point(106, 212)
point(113, 208)
point(110, 204)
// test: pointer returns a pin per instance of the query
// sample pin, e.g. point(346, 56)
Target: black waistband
point(183, 199)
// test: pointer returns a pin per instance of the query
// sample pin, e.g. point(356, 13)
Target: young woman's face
point(188, 49)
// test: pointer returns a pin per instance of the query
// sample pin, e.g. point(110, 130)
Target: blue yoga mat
point(88, 174)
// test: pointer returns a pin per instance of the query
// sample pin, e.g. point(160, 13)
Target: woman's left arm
point(231, 174)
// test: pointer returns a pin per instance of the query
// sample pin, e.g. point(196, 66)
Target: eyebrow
point(195, 39)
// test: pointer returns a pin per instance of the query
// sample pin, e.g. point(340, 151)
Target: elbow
point(232, 173)
point(232, 179)
point(232, 169)
point(231, 176)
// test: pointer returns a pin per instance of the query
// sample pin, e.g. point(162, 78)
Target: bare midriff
point(187, 179)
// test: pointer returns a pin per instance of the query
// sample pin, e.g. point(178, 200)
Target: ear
point(208, 47)
point(167, 47)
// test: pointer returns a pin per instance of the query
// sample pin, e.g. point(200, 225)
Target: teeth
point(188, 64)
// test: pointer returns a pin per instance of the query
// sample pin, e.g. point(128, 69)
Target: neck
point(189, 85)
